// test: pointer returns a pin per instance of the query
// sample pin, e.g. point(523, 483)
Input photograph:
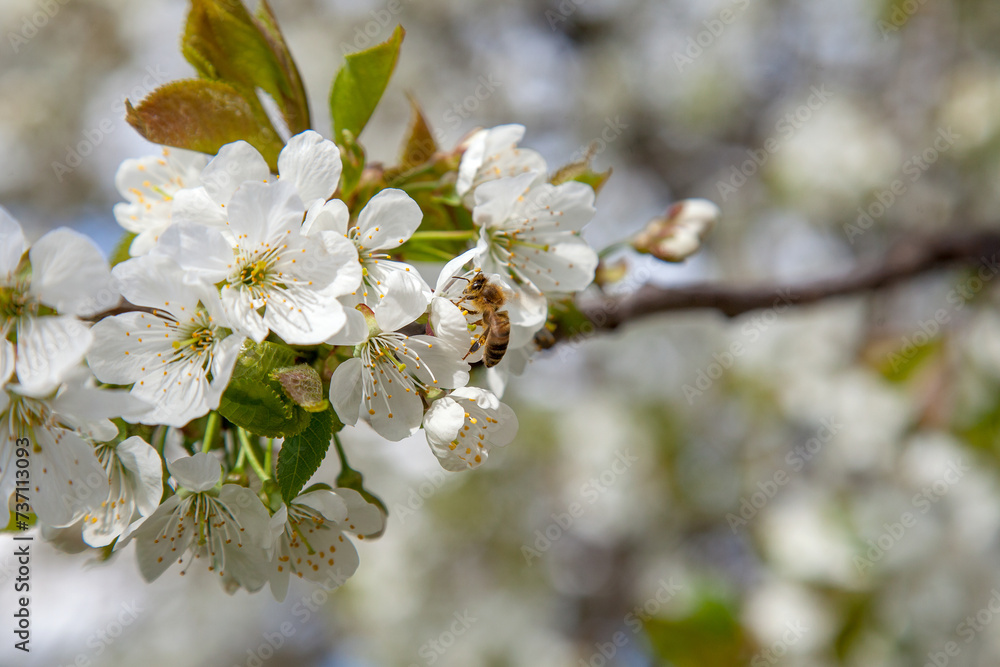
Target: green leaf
point(709, 635)
point(595, 179)
point(903, 362)
point(302, 454)
point(225, 43)
point(352, 158)
point(582, 170)
point(360, 83)
point(254, 400)
point(203, 116)
point(120, 253)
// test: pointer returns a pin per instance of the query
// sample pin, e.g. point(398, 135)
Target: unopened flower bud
point(679, 234)
point(303, 385)
point(610, 272)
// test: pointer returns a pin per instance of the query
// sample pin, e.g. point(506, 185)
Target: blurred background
point(826, 495)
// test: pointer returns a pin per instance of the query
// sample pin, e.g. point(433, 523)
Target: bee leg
point(475, 346)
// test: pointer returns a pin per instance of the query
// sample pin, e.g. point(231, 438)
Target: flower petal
point(387, 220)
point(394, 415)
point(146, 471)
point(67, 477)
point(235, 164)
point(6, 364)
point(406, 296)
point(200, 472)
point(12, 243)
point(194, 205)
point(355, 329)
point(312, 163)
point(345, 390)
point(302, 316)
point(201, 251)
point(448, 323)
point(264, 213)
point(158, 544)
point(495, 200)
point(48, 347)
point(242, 314)
point(453, 268)
point(156, 281)
point(69, 274)
point(443, 420)
point(363, 517)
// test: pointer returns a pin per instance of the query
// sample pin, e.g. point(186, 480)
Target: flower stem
point(446, 235)
point(422, 185)
point(619, 245)
point(348, 476)
point(247, 447)
point(419, 170)
point(212, 429)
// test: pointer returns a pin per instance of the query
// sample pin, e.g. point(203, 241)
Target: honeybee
point(486, 298)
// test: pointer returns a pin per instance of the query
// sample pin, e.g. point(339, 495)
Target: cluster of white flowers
point(225, 255)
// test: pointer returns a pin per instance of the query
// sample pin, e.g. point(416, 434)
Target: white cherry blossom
point(463, 426)
point(266, 264)
point(493, 154)
point(135, 475)
point(680, 233)
point(527, 315)
point(150, 185)
point(530, 230)
point(226, 524)
point(67, 478)
point(384, 379)
point(312, 537)
point(309, 163)
point(385, 223)
point(180, 357)
point(66, 272)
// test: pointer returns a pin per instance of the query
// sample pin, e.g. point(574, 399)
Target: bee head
point(478, 282)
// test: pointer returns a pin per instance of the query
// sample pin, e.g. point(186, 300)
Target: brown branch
point(902, 262)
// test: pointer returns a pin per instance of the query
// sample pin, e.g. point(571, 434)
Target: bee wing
point(497, 279)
